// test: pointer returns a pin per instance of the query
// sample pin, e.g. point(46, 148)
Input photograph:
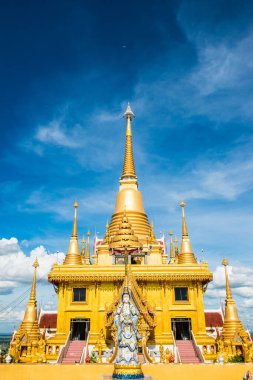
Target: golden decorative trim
point(107, 277)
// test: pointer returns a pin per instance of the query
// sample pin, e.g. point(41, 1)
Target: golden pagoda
point(168, 291)
point(27, 344)
point(73, 256)
point(234, 340)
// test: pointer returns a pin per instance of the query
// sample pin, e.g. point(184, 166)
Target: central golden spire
point(128, 168)
point(129, 198)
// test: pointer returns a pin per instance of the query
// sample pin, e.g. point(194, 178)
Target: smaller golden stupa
point(27, 344)
point(186, 253)
point(125, 237)
point(234, 340)
point(73, 256)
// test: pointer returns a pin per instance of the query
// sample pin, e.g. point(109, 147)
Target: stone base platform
point(98, 371)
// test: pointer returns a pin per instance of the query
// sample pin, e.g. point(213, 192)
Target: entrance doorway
point(181, 328)
point(79, 329)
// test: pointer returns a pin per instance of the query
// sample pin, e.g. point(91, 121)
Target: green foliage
point(236, 359)
point(93, 358)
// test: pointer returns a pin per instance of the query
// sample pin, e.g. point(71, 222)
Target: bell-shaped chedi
point(129, 198)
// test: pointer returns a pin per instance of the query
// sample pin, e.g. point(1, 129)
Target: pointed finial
point(83, 241)
point(106, 239)
point(33, 289)
point(186, 254)
point(184, 227)
point(128, 167)
point(225, 262)
point(175, 241)
point(74, 233)
point(36, 263)
point(87, 259)
point(172, 249)
point(73, 256)
point(228, 289)
point(128, 112)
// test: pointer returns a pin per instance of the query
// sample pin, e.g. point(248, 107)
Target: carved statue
point(162, 357)
point(15, 349)
point(41, 349)
point(167, 356)
point(126, 319)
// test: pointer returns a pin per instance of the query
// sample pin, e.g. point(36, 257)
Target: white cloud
point(105, 116)
point(241, 287)
point(218, 86)
point(56, 133)
point(16, 268)
point(16, 276)
point(10, 315)
point(225, 178)
point(220, 66)
point(93, 203)
point(9, 246)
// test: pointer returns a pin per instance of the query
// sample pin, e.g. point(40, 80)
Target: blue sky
point(67, 71)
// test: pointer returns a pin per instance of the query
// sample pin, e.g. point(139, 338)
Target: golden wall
point(160, 295)
point(95, 372)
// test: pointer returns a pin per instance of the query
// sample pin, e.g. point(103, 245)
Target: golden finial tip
point(128, 112)
point(225, 262)
point(170, 232)
point(75, 204)
point(83, 240)
point(36, 263)
point(175, 239)
point(88, 233)
point(182, 203)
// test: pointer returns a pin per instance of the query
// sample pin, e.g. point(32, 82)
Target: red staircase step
point(187, 352)
point(74, 352)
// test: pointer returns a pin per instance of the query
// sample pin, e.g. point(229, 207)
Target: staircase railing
point(85, 348)
point(176, 350)
point(111, 360)
point(145, 352)
point(197, 349)
point(64, 349)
